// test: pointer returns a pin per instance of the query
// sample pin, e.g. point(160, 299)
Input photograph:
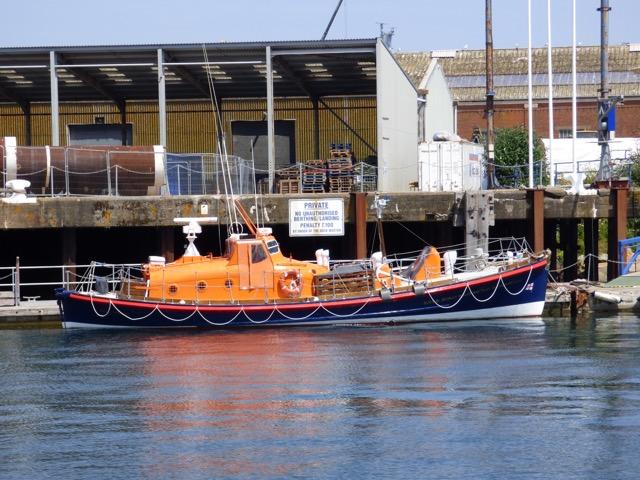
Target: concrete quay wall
point(159, 211)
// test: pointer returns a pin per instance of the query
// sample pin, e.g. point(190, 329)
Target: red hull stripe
point(304, 306)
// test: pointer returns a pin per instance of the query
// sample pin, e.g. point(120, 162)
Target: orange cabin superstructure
point(253, 268)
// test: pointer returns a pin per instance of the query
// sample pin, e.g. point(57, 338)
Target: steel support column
point(617, 229)
point(55, 107)
point(271, 148)
point(316, 128)
point(122, 107)
point(536, 201)
point(162, 100)
point(26, 110)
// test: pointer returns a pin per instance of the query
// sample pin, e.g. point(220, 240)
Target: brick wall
point(472, 116)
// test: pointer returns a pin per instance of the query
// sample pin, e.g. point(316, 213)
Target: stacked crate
point(289, 179)
point(313, 176)
point(340, 168)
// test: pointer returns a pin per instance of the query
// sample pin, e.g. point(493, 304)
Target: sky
point(419, 24)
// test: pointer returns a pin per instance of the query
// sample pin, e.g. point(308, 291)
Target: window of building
point(568, 133)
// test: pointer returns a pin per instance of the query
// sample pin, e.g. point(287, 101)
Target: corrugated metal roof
point(325, 68)
point(465, 71)
point(219, 46)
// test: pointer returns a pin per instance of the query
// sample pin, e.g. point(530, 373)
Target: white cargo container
point(450, 166)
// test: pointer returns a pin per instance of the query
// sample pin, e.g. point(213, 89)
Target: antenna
point(191, 228)
point(386, 36)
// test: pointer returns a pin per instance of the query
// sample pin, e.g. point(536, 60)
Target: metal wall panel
point(397, 127)
point(439, 108)
point(191, 126)
point(11, 122)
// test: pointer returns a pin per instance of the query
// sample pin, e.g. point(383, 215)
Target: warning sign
point(316, 218)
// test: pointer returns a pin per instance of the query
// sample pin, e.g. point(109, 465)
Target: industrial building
point(465, 75)
point(323, 93)
point(279, 102)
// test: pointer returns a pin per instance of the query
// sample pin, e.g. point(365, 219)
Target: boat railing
point(104, 277)
point(33, 282)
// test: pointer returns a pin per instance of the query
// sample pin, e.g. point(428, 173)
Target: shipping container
point(450, 166)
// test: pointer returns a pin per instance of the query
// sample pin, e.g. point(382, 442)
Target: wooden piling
point(536, 235)
point(69, 253)
point(168, 243)
point(574, 303)
point(569, 243)
point(360, 206)
point(591, 247)
point(551, 242)
point(617, 228)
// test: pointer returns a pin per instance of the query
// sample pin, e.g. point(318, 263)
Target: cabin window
point(272, 246)
point(173, 289)
point(257, 253)
point(201, 286)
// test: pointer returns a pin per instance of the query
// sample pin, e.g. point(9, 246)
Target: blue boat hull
point(515, 293)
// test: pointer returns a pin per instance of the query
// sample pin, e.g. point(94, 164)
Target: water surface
point(505, 399)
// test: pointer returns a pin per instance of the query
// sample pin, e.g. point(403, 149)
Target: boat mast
point(222, 147)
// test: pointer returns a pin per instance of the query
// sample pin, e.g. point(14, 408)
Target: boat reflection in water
point(256, 397)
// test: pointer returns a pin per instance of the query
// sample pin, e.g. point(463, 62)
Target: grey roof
point(465, 71)
point(120, 72)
